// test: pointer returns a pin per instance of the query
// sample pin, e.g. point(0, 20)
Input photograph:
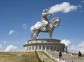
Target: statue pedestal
point(44, 45)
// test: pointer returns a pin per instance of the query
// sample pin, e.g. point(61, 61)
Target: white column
point(34, 48)
point(45, 48)
point(38, 47)
point(41, 47)
point(29, 47)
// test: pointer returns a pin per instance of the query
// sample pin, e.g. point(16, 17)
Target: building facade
point(44, 45)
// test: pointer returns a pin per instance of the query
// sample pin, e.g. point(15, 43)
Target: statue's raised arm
point(45, 17)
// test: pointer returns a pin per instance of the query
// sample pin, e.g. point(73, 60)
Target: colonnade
point(45, 47)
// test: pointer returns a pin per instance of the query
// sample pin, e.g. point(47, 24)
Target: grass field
point(19, 57)
point(32, 57)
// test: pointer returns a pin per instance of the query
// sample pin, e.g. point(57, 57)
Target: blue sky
point(17, 16)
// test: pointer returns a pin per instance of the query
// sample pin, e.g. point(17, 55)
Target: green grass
point(19, 57)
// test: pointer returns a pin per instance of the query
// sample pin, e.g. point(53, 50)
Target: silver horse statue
point(49, 29)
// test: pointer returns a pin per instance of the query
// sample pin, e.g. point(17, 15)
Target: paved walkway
point(67, 57)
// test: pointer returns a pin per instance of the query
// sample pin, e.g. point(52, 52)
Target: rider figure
point(45, 18)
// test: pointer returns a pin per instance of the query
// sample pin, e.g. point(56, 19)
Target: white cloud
point(24, 26)
point(5, 42)
point(73, 48)
point(0, 46)
point(11, 48)
point(11, 32)
point(76, 48)
point(66, 42)
point(64, 7)
point(81, 46)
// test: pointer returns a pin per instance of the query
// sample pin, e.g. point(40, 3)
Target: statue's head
point(45, 10)
point(56, 21)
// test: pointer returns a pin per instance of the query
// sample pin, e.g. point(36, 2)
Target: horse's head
point(56, 21)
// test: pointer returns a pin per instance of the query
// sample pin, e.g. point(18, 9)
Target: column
point(41, 47)
point(45, 48)
point(38, 47)
point(29, 47)
point(34, 47)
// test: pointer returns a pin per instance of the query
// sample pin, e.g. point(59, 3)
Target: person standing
point(45, 18)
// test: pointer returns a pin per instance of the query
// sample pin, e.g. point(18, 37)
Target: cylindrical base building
point(44, 45)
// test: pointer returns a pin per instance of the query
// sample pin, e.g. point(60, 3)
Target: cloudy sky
point(17, 16)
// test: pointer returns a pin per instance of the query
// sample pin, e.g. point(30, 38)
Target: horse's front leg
point(50, 34)
point(32, 35)
point(36, 35)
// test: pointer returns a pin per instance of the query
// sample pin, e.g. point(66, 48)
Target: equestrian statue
point(45, 25)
